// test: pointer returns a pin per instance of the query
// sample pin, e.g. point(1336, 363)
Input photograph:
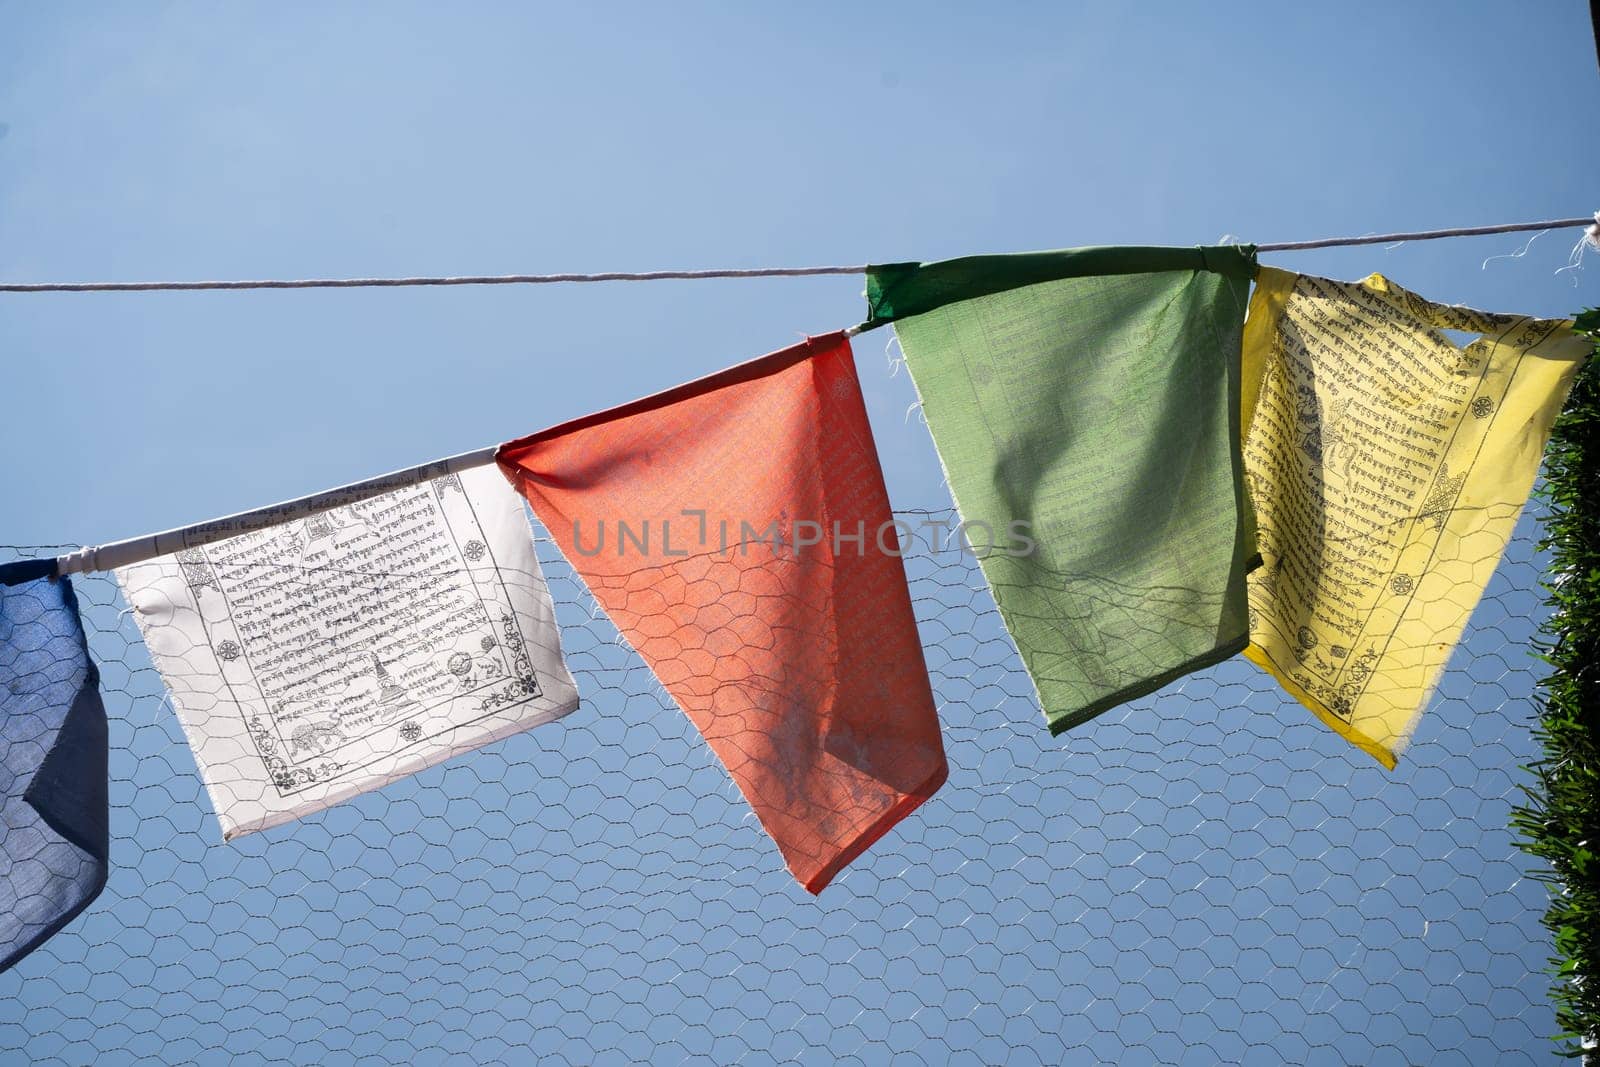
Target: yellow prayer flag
point(1388, 467)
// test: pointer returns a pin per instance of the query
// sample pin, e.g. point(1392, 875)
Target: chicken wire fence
point(1203, 875)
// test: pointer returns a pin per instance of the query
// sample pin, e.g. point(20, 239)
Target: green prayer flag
point(1085, 406)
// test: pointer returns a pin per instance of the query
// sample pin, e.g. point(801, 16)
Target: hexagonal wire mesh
point(1203, 875)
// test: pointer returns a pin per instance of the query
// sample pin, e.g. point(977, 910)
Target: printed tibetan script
point(326, 656)
point(1388, 466)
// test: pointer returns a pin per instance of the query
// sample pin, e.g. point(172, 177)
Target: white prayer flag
point(325, 657)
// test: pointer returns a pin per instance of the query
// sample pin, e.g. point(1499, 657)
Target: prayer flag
point(1388, 467)
point(1085, 405)
point(54, 818)
point(320, 658)
point(737, 532)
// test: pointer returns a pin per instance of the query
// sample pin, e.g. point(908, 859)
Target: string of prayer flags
point(737, 532)
point(54, 815)
point(1085, 406)
point(1388, 467)
point(320, 658)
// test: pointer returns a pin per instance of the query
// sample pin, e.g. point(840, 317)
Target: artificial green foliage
point(1561, 821)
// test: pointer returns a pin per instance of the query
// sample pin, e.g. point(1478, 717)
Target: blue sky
point(184, 141)
point(191, 141)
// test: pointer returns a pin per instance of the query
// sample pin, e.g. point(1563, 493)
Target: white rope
point(471, 279)
point(695, 275)
point(152, 546)
point(1429, 235)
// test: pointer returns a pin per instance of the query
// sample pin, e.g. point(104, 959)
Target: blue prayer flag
point(54, 816)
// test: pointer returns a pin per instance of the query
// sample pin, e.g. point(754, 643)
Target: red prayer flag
point(736, 529)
